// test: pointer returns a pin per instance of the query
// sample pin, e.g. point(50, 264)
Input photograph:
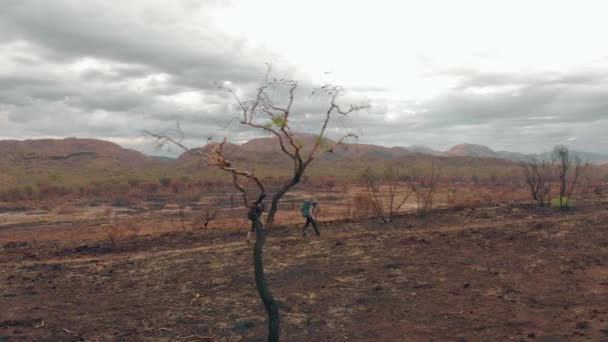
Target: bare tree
point(203, 217)
point(424, 188)
point(564, 162)
point(538, 178)
point(387, 193)
point(251, 114)
point(214, 156)
point(278, 124)
point(346, 203)
point(184, 201)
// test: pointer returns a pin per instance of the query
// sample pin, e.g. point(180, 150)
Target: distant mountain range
point(474, 150)
point(74, 161)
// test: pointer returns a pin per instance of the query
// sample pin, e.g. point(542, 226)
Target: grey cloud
point(540, 100)
point(115, 74)
point(471, 78)
point(15, 81)
point(14, 98)
point(43, 98)
point(110, 101)
point(544, 110)
point(68, 30)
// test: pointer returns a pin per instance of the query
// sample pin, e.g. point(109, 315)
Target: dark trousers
point(310, 220)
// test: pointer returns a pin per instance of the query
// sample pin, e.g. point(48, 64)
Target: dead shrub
point(386, 192)
point(538, 177)
point(424, 188)
point(362, 204)
point(203, 218)
point(113, 232)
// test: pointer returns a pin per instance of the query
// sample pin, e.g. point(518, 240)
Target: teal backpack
point(306, 208)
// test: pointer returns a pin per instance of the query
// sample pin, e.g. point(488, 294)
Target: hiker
point(308, 211)
point(253, 214)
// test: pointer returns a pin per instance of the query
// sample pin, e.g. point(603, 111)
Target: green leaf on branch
point(279, 120)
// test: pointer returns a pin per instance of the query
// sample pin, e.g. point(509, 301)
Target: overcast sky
point(512, 75)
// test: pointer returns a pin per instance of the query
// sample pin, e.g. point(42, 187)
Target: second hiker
point(308, 211)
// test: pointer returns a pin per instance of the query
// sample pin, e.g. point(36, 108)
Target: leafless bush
point(204, 217)
point(114, 233)
point(386, 192)
point(111, 228)
point(538, 176)
point(568, 176)
point(345, 203)
point(599, 189)
point(362, 204)
point(424, 188)
point(184, 201)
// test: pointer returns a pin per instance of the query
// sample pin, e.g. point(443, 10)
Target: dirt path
point(357, 231)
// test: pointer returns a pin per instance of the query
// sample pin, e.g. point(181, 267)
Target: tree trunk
point(274, 206)
point(260, 281)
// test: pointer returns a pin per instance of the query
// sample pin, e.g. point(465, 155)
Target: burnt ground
point(511, 272)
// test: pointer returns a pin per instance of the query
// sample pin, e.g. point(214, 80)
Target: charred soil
point(489, 273)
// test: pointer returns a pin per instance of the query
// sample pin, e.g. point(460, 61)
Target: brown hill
point(269, 146)
point(68, 161)
point(74, 162)
point(61, 149)
point(347, 161)
point(471, 150)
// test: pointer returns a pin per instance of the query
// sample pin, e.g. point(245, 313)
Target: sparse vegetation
point(203, 217)
point(387, 193)
point(346, 204)
point(425, 187)
point(538, 177)
point(158, 287)
point(569, 170)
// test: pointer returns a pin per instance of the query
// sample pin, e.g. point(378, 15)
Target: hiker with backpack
point(308, 211)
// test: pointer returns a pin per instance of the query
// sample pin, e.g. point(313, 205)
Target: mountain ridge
point(74, 162)
point(73, 147)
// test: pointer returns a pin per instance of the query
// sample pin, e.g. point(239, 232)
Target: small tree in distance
point(424, 188)
point(564, 161)
point(264, 114)
point(537, 176)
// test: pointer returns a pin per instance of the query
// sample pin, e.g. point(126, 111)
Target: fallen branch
point(70, 332)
